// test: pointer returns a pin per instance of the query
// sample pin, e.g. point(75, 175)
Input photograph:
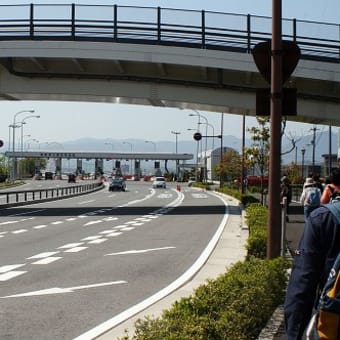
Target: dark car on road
point(117, 184)
point(72, 178)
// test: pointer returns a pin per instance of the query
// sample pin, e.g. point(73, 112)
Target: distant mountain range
point(137, 145)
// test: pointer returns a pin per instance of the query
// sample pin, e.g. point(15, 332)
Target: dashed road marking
point(47, 260)
point(70, 245)
point(9, 267)
point(75, 250)
point(43, 255)
point(10, 275)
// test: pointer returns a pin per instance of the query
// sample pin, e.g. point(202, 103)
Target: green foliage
point(244, 198)
point(257, 218)
point(229, 167)
point(225, 308)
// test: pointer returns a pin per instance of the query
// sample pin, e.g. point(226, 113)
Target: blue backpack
point(325, 323)
point(314, 197)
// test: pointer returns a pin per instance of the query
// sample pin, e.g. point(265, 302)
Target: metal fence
point(22, 197)
point(163, 26)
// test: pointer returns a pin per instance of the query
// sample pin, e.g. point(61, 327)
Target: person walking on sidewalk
point(310, 197)
point(333, 188)
point(286, 191)
point(318, 247)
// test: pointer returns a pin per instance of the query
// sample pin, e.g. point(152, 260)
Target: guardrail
point(23, 197)
point(163, 26)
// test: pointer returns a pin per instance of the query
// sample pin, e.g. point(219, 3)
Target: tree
point(257, 155)
point(230, 165)
point(29, 165)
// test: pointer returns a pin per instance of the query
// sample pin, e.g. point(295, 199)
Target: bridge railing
point(164, 26)
point(22, 197)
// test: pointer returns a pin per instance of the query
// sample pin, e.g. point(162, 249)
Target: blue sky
point(154, 124)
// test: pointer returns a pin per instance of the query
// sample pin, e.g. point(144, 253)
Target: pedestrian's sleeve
point(302, 287)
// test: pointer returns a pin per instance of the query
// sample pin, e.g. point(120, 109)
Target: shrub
point(225, 308)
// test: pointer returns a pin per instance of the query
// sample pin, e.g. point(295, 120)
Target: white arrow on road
point(138, 251)
point(57, 290)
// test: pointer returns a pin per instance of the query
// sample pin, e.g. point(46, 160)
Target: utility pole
point(313, 144)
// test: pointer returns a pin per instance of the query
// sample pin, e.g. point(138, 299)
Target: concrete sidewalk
point(229, 249)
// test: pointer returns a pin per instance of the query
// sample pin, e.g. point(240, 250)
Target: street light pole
point(22, 130)
point(176, 133)
point(303, 150)
point(154, 144)
point(109, 143)
point(14, 126)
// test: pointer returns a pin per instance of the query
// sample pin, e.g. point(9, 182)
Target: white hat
point(309, 181)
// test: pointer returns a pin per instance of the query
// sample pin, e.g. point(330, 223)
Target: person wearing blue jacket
point(318, 247)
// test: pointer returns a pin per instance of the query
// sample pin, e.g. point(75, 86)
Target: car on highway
point(159, 182)
point(117, 184)
point(191, 181)
point(72, 178)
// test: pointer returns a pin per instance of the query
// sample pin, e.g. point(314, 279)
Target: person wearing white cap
point(310, 197)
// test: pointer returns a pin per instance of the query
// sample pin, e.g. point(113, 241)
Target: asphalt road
point(67, 266)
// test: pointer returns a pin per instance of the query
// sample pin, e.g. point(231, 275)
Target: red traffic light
point(197, 136)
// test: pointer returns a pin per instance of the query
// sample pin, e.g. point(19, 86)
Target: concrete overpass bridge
point(159, 56)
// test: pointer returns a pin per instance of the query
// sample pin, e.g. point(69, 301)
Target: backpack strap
point(334, 208)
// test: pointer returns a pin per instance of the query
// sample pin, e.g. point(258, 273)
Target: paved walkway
point(293, 234)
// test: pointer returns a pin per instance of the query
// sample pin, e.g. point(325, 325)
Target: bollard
point(179, 187)
point(283, 226)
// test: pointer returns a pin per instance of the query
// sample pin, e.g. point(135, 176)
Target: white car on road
point(159, 182)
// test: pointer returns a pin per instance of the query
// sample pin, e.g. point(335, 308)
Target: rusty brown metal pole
point(274, 218)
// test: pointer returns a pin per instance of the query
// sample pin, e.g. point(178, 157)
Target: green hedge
point(235, 306)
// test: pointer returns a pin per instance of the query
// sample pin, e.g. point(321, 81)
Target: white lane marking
point(19, 231)
point(57, 290)
point(92, 222)
point(9, 267)
point(110, 218)
point(114, 234)
point(75, 250)
point(90, 238)
point(164, 195)
point(109, 231)
point(137, 224)
point(43, 255)
point(57, 222)
point(17, 221)
point(113, 195)
point(130, 222)
point(128, 228)
point(40, 226)
point(8, 222)
point(196, 195)
point(70, 245)
point(98, 241)
point(119, 226)
point(70, 219)
point(3, 232)
point(47, 260)
point(10, 275)
point(84, 202)
point(128, 252)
